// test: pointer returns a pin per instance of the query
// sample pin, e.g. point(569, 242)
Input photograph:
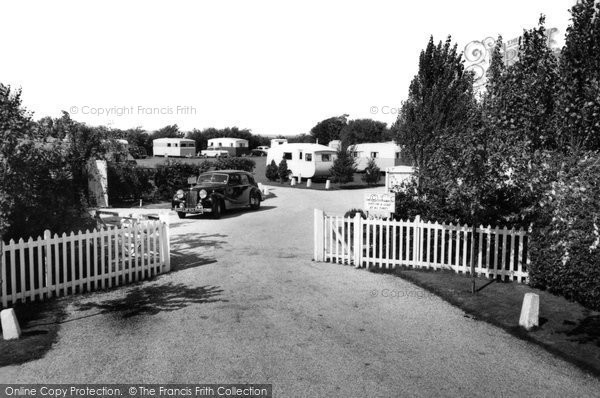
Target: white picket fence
point(500, 253)
point(53, 265)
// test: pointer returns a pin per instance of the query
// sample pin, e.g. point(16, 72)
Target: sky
point(274, 67)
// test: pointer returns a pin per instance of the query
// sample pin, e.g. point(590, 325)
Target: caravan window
point(287, 155)
point(374, 154)
point(326, 157)
point(300, 155)
point(309, 157)
point(168, 144)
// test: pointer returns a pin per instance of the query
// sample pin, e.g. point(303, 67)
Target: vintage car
point(216, 191)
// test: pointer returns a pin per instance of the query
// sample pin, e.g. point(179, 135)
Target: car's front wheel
point(181, 214)
point(217, 209)
point(254, 200)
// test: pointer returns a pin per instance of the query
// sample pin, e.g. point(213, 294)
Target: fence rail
point(499, 252)
point(53, 265)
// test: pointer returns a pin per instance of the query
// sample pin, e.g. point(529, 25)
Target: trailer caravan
point(386, 154)
point(304, 160)
point(234, 146)
point(173, 147)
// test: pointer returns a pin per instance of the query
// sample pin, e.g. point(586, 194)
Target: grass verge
point(566, 329)
point(40, 323)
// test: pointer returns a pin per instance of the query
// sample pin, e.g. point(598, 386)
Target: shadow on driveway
point(153, 299)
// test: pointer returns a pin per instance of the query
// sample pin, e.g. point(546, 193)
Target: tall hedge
point(172, 175)
point(565, 241)
point(128, 182)
point(235, 164)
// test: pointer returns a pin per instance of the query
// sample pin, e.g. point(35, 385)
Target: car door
point(242, 190)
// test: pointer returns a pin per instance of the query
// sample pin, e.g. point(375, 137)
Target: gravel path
point(247, 304)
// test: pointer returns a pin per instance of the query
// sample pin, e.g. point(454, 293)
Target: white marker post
point(10, 324)
point(327, 184)
point(530, 311)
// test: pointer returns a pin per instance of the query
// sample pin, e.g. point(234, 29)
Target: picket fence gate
point(54, 266)
point(500, 253)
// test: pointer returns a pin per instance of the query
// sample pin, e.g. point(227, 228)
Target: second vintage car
point(216, 191)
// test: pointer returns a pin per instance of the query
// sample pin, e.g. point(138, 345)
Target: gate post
point(357, 244)
point(319, 236)
point(166, 248)
point(3, 293)
point(417, 242)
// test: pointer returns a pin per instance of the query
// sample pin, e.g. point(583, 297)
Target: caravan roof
point(305, 146)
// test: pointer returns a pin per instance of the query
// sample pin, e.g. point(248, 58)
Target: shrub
point(172, 175)
point(272, 172)
point(344, 166)
point(126, 182)
point(372, 173)
point(235, 164)
point(352, 212)
point(283, 170)
point(565, 241)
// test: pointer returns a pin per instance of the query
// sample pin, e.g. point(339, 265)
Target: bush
point(272, 172)
point(127, 182)
point(565, 241)
point(172, 175)
point(352, 212)
point(283, 170)
point(235, 164)
point(344, 166)
point(372, 173)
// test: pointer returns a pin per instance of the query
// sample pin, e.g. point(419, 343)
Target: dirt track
point(245, 303)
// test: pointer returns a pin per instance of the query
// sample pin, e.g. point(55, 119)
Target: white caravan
point(173, 147)
point(304, 160)
point(386, 154)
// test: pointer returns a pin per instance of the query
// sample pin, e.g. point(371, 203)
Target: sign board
point(380, 203)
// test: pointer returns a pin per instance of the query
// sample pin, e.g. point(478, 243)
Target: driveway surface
point(245, 304)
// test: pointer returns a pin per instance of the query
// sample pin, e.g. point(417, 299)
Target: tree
point(578, 99)
point(42, 184)
point(300, 138)
point(283, 170)
point(344, 165)
point(328, 129)
point(372, 173)
point(440, 104)
point(365, 130)
point(272, 172)
point(525, 94)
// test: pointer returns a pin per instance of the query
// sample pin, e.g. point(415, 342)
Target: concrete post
point(530, 311)
point(10, 324)
point(308, 183)
point(327, 184)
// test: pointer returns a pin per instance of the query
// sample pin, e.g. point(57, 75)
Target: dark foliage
point(372, 173)
point(272, 171)
point(235, 164)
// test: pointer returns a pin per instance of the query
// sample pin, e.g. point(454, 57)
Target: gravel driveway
point(245, 303)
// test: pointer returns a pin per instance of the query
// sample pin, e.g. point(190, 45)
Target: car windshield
point(212, 177)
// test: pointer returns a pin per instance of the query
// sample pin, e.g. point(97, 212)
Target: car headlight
point(179, 194)
point(203, 194)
